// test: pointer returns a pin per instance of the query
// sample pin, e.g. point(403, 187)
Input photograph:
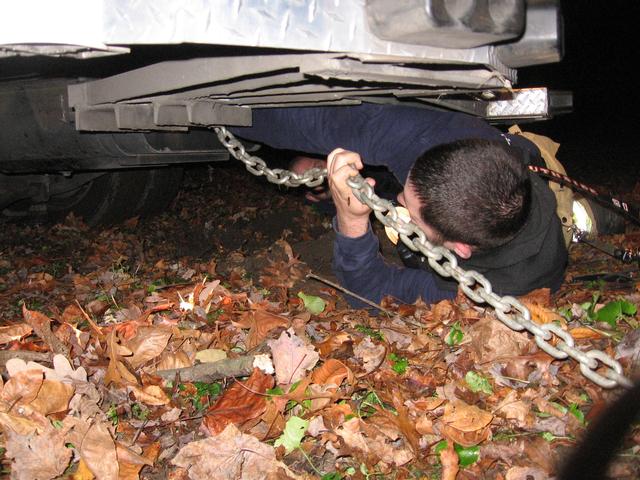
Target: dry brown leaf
point(424, 425)
point(72, 314)
point(117, 372)
point(449, 460)
point(53, 397)
point(262, 322)
point(239, 403)
point(332, 372)
point(332, 343)
point(42, 326)
point(542, 315)
point(170, 360)
point(372, 355)
point(82, 472)
point(238, 456)
point(465, 424)
point(515, 409)
point(492, 340)
point(23, 387)
point(426, 404)
point(14, 332)
point(584, 333)
point(149, 395)
point(98, 450)
point(37, 456)
point(131, 463)
point(147, 344)
point(541, 296)
point(292, 358)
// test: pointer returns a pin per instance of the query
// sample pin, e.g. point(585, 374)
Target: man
point(465, 184)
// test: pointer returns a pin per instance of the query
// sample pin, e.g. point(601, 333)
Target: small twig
point(209, 372)
point(26, 355)
point(362, 299)
point(92, 324)
point(349, 292)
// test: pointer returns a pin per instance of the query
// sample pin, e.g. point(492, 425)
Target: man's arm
point(361, 269)
point(355, 256)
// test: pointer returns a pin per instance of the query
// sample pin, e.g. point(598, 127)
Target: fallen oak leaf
point(22, 387)
point(41, 455)
point(148, 343)
point(238, 456)
point(131, 463)
point(332, 343)
point(465, 424)
point(292, 358)
point(117, 372)
point(332, 372)
point(149, 395)
point(371, 354)
point(239, 403)
point(14, 332)
point(98, 450)
point(41, 325)
point(261, 323)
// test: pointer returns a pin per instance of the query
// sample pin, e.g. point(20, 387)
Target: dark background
point(599, 139)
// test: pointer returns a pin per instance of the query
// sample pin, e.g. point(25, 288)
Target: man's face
point(409, 199)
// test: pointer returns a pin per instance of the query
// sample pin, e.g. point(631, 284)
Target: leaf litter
point(91, 317)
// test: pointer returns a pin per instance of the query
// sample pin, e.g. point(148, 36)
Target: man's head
point(474, 193)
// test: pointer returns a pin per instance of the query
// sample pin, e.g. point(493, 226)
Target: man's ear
point(463, 250)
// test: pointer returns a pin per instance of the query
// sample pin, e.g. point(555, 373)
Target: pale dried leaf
point(149, 395)
point(23, 387)
point(262, 322)
point(99, 452)
point(169, 361)
point(492, 340)
point(292, 358)
point(53, 397)
point(211, 355)
point(371, 354)
point(14, 332)
point(465, 424)
point(37, 456)
point(238, 456)
point(148, 343)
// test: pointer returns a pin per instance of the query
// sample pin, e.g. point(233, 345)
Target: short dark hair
point(473, 191)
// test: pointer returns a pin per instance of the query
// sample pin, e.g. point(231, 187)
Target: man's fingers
point(340, 158)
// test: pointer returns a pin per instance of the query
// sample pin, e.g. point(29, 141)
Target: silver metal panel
point(529, 102)
point(321, 25)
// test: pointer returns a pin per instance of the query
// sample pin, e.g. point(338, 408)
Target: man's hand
point(352, 215)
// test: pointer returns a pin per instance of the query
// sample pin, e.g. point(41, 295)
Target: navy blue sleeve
point(361, 269)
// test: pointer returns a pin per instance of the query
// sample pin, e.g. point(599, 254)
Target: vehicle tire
point(108, 199)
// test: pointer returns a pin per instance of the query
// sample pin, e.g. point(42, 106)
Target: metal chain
point(475, 285)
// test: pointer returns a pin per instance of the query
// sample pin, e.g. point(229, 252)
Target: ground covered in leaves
point(282, 379)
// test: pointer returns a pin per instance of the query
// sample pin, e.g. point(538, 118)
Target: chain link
point(476, 286)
